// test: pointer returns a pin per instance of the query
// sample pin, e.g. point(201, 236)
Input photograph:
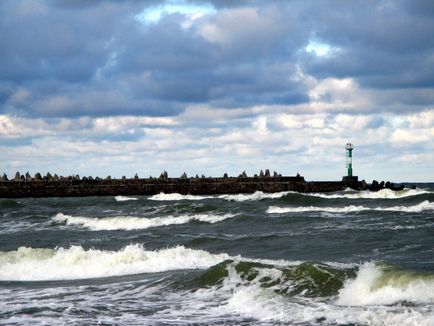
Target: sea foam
point(124, 198)
point(377, 285)
point(423, 206)
point(36, 264)
point(136, 223)
point(258, 195)
point(366, 194)
point(175, 196)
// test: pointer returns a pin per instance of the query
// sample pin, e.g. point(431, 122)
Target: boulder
point(184, 176)
point(38, 176)
point(4, 177)
point(55, 177)
point(275, 175)
point(243, 175)
point(108, 177)
point(28, 177)
point(17, 176)
point(49, 176)
point(225, 176)
point(136, 176)
point(267, 173)
point(124, 177)
point(261, 174)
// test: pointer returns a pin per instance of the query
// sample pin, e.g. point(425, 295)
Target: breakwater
point(74, 186)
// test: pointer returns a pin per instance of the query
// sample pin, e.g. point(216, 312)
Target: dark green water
point(321, 259)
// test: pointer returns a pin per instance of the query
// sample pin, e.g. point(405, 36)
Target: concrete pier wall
point(152, 186)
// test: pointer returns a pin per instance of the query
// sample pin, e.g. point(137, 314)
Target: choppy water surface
point(358, 258)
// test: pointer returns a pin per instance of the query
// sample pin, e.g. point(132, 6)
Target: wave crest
point(423, 206)
point(36, 264)
point(376, 284)
point(136, 223)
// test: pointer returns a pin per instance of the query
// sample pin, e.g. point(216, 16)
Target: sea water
point(345, 258)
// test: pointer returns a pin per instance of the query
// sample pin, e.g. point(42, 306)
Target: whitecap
point(124, 198)
point(258, 195)
point(175, 196)
point(36, 264)
point(376, 285)
point(136, 223)
point(423, 206)
point(366, 194)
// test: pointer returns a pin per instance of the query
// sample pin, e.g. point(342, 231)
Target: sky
point(108, 87)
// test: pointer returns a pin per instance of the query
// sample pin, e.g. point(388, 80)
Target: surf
point(135, 223)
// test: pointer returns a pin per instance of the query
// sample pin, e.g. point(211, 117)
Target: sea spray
point(384, 285)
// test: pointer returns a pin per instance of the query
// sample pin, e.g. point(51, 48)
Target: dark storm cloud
point(74, 58)
point(383, 44)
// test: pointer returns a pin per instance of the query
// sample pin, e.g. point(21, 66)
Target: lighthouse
point(349, 147)
point(349, 180)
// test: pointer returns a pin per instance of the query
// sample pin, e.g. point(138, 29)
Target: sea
point(343, 258)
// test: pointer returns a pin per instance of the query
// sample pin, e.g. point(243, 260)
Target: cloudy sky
point(121, 87)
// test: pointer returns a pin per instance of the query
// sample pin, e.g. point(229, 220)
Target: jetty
point(73, 186)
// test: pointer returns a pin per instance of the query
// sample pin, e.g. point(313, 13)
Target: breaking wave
point(124, 198)
point(423, 206)
point(175, 196)
point(381, 194)
point(258, 195)
point(136, 223)
point(315, 292)
point(33, 264)
point(380, 284)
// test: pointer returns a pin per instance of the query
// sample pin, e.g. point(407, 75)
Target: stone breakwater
point(74, 186)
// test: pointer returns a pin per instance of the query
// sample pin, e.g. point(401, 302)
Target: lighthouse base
point(350, 181)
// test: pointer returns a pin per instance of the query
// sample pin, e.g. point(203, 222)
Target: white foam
point(381, 194)
point(258, 195)
point(33, 264)
point(374, 286)
point(423, 206)
point(124, 198)
point(136, 223)
point(175, 196)
point(266, 304)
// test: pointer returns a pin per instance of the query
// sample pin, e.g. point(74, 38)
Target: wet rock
point(364, 185)
point(381, 185)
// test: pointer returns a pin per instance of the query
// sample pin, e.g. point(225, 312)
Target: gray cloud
point(94, 58)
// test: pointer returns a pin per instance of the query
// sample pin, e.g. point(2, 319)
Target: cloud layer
point(216, 86)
